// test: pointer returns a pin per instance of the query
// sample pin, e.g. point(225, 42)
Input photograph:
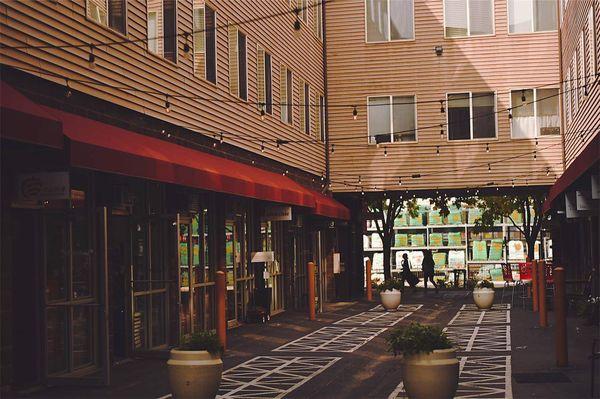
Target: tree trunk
point(387, 255)
point(531, 248)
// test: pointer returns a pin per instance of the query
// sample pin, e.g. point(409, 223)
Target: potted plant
point(389, 292)
point(483, 294)
point(195, 367)
point(430, 367)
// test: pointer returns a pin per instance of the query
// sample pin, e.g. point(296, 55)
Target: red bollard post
point(311, 291)
point(534, 284)
point(560, 310)
point(542, 294)
point(221, 295)
point(368, 282)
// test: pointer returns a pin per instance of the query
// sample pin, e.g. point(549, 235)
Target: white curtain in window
point(404, 118)
point(379, 117)
point(456, 18)
point(545, 15)
point(547, 111)
point(481, 17)
point(523, 121)
point(520, 16)
point(377, 20)
point(401, 19)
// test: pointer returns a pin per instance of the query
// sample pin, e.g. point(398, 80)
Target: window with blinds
point(162, 33)
point(205, 46)
point(388, 20)
point(468, 18)
point(110, 13)
point(286, 94)
point(526, 16)
point(319, 19)
point(391, 119)
point(232, 41)
point(264, 80)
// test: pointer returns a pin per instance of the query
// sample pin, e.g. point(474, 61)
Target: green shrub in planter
point(392, 284)
point(417, 338)
point(484, 284)
point(202, 341)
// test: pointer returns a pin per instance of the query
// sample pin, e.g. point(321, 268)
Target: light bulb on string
point(385, 151)
point(585, 90)
point(536, 141)
point(332, 148)
point(510, 116)
point(513, 183)
point(167, 104)
point(359, 180)
point(487, 147)
point(489, 168)
point(221, 139)
point(262, 146)
point(186, 46)
point(437, 150)
point(442, 108)
point(442, 130)
point(262, 111)
point(534, 155)
point(400, 181)
point(68, 92)
point(354, 112)
point(523, 96)
point(547, 171)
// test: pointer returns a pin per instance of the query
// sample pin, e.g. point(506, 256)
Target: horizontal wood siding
point(65, 22)
point(498, 63)
point(585, 118)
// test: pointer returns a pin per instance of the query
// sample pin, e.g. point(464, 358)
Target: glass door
point(148, 286)
point(203, 281)
point(76, 330)
point(239, 280)
point(272, 240)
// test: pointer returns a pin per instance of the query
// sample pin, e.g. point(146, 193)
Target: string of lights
point(294, 11)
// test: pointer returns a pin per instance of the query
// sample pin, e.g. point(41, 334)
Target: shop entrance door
point(76, 307)
point(240, 281)
point(149, 286)
point(272, 240)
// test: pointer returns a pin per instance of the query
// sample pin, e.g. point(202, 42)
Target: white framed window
point(319, 19)
point(536, 116)
point(109, 13)
point(527, 16)
point(392, 119)
point(464, 18)
point(566, 97)
point(471, 115)
point(591, 44)
point(205, 42)
point(286, 94)
point(389, 20)
point(153, 31)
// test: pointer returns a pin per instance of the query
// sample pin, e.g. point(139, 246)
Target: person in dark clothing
point(406, 274)
point(428, 269)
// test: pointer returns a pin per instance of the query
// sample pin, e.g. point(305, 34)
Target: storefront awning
point(578, 167)
point(99, 146)
point(23, 120)
point(327, 206)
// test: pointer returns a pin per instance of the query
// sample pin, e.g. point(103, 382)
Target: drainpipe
point(325, 122)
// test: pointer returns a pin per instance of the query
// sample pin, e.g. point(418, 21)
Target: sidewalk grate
point(540, 378)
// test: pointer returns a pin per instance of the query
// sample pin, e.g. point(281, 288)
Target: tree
point(496, 207)
point(385, 210)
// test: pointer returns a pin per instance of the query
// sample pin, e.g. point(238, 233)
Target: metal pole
point(221, 294)
point(542, 294)
point(560, 324)
point(534, 284)
point(368, 282)
point(311, 291)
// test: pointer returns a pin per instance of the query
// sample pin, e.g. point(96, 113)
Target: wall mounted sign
point(277, 213)
point(33, 187)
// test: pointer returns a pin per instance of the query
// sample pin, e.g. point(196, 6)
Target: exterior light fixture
point(439, 50)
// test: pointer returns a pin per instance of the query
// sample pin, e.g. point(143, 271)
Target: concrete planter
point(390, 299)
point(431, 375)
point(483, 297)
point(194, 374)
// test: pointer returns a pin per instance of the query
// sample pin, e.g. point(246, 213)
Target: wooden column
point(534, 284)
point(560, 323)
point(542, 294)
point(368, 282)
point(221, 295)
point(311, 291)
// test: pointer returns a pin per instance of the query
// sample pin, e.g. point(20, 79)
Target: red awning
point(327, 206)
point(99, 146)
point(578, 167)
point(23, 120)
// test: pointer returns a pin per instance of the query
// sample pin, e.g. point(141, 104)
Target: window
point(321, 118)
point(306, 110)
point(392, 119)
point(389, 20)
point(526, 16)
point(110, 13)
point(205, 56)
point(319, 19)
point(265, 90)
point(471, 116)
point(468, 17)
point(567, 97)
point(285, 94)
point(238, 76)
point(537, 115)
point(591, 45)
point(162, 38)
point(581, 66)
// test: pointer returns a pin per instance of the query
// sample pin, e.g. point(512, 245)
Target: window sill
point(477, 140)
point(122, 35)
point(162, 58)
point(391, 41)
point(541, 32)
point(473, 37)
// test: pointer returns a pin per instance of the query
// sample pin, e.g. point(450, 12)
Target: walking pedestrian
point(429, 269)
point(406, 274)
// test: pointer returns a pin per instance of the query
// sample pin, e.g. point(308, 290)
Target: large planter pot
point(431, 375)
point(194, 374)
point(390, 299)
point(483, 297)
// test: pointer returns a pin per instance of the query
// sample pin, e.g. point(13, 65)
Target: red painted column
point(221, 295)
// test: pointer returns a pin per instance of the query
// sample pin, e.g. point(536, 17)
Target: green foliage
point(202, 341)
point(417, 338)
point(391, 284)
point(484, 284)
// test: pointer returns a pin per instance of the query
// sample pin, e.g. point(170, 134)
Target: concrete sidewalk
point(343, 354)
